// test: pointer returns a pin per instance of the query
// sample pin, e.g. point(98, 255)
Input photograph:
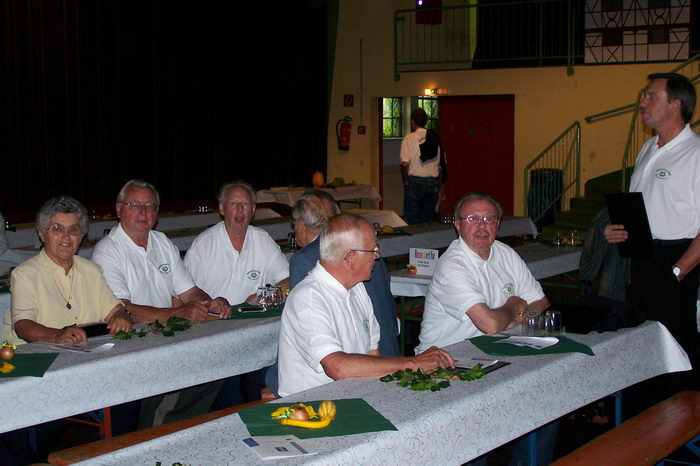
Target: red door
point(477, 133)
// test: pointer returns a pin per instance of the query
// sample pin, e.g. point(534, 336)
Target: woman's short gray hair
point(221, 197)
point(341, 233)
point(478, 197)
point(61, 205)
point(314, 208)
point(141, 184)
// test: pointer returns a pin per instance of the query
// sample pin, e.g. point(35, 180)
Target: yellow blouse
point(41, 289)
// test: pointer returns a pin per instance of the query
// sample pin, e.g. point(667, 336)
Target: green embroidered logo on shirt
point(663, 174)
point(164, 268)
point(253, 274)
point(508, 288)
point(365, 324)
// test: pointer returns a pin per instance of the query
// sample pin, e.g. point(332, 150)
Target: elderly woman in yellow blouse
point(57, 290)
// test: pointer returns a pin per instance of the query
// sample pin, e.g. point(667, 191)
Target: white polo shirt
point(669, 179)
point(322, 317)
point(410, 152)
point(147, 277)
point(463, 279)
point(220, 270)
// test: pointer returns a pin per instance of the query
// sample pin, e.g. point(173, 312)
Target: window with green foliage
point(430, 105)
point(391, 117)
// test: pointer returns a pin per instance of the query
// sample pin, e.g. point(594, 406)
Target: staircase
point(583, 209)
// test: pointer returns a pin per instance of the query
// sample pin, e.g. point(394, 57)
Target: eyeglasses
point(376, 251)
point(239, 205)
point(475, 219)
point(136, 206)
point(61, 230)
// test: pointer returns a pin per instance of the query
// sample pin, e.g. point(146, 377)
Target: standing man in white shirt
point(143, 269)
point(232, 259)
point(667, 173)
point(329, 331)
point(480, 285)
point(423, 170)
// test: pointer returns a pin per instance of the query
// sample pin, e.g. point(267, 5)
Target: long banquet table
point(289, 196)
point(25, 234)
point(135, 369)
point(448, 427)
point(542, 260)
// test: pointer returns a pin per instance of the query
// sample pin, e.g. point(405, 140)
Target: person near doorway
point(423, 170)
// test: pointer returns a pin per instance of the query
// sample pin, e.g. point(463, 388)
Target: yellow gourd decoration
point(326, 412)
point(318, 180)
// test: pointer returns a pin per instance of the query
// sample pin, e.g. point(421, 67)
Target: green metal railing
point(554, 176)
point(488, 35)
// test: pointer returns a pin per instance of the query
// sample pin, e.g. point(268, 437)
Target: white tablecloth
point(289, 197)
point(542, 260)
point(439, 235)
point(382, 217)
point(447, 427)
point(26, 234)
point(135, 369)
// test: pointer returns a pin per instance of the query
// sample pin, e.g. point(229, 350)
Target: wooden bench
point(647, 438)
point(102, 447)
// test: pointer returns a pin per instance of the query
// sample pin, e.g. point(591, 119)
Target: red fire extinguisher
point(342, 132)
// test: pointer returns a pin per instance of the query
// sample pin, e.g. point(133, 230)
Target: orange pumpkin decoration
point(318, 179)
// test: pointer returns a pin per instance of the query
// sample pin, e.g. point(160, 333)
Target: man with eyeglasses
point(232, 259)
point(480, 285)
point(328, 330)
point(143, 268)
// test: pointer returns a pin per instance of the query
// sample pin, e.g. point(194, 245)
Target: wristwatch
point(677, 272)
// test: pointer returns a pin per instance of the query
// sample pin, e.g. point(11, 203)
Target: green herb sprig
point(434, 380)
point(174, 324)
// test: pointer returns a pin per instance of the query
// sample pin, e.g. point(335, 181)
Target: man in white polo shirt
point(667, 173)
point(329, 331)
point(143, 269)
point(233, 258)
point(480, 285)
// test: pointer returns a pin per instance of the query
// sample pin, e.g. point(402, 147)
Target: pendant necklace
point(70, 292)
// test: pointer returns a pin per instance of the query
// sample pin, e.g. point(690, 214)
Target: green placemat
point(488, 345)
point(271, 312)
point(353, 416)
point(34, 365)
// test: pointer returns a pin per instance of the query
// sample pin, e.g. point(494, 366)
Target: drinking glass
point(262, 296)
point(291, 241)
point(553, 323)
point(533, 324)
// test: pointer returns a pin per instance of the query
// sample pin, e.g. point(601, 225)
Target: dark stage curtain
point(186, 94)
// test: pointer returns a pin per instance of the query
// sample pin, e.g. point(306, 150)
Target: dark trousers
point(656, 291)
point(242, 388)
point(420, 199)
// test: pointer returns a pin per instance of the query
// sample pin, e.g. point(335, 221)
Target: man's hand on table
point(193, 310)
point(519, 306)
point(220, 306)
point(433, 358)
point(119, 321)
point(615, 234)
